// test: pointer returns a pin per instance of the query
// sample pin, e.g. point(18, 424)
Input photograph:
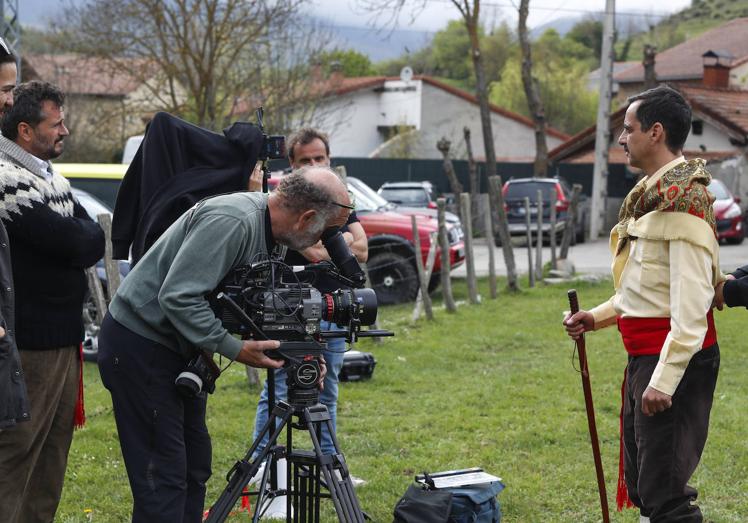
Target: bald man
point(160, 315)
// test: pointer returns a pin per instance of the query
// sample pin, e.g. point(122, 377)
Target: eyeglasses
point(343, 205)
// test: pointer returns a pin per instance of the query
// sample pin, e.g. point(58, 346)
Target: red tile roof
point(76, 74)
point(684, 60)
point(728, 107)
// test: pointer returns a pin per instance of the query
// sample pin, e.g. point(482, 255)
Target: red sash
point(646, 336)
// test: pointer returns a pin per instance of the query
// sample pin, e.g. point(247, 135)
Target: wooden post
point(430, 259)
point(528, 230)
point(421, 272)
point(571, 220)
point(489, 241)
point(467, 220)
point(111, 266)
point(97, 293)
point(553, 234)
point(539, 240)
point(497, 204)
point(449, 301)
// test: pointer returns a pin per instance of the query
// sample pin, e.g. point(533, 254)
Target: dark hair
point(306, 136)
point(300, 194)
point(665, 105)
point(7, 55)
point(27, 106)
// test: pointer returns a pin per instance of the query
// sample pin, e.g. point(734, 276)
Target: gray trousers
point(34, 454)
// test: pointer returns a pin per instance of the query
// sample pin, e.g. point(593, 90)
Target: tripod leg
point(243, 470)
point(334, 468)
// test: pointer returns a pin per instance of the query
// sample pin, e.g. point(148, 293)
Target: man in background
point(53, 241)
point(14, 405)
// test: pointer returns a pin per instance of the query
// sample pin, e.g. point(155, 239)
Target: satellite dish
point(406, 74)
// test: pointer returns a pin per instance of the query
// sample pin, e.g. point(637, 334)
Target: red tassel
point(622, 492)
point(80, 412)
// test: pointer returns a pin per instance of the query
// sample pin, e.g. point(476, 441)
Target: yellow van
point(100, 179)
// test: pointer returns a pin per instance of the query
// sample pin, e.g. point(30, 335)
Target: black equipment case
point(357, 366)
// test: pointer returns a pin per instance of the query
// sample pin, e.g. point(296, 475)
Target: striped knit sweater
point(52, 240)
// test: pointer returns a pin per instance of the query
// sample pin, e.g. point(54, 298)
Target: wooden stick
point(586, 386)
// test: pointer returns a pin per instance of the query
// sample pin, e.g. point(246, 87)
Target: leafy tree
point(560, 66)
point(589, 33)
point(352, 63)
point(451, 51)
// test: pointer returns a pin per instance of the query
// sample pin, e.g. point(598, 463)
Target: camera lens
point(189, 384)
point(341, 303)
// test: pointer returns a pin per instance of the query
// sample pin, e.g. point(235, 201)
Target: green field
point(493, 386)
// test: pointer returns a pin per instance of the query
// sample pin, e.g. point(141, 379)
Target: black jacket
point(177, 165)
point(14, 402)
point(736, 291)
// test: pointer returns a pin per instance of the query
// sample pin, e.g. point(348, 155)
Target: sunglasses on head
point(4, 47)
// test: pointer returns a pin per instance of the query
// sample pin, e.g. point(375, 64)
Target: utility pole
point(10, 28)
point(602, 136)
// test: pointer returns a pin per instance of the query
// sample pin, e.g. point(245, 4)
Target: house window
point(697, 127)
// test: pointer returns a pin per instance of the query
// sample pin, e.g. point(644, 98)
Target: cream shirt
point(671, 271)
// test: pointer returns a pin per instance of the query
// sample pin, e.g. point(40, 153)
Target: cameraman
point(161, 313)
point(310, 147)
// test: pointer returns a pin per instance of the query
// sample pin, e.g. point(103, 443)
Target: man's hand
point(719, 293)
point(578, 324)
point(253, 354)
point(2, 332)
point(654, 401)
point(255, 179)
point(322, 372)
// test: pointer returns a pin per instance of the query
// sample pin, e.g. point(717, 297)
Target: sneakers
point(254, 480)
point(357, 482)
point(277, 509)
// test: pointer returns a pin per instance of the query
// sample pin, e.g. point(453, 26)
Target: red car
point(727, 213)
point(391, 264)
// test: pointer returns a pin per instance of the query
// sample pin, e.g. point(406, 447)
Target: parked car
point(410, 194)
point(391, 265)
point(727, 213)
point(555, 192)
point(91, 321)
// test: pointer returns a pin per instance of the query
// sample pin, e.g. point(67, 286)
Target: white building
point(383, 117)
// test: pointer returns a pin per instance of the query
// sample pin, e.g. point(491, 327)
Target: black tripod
point(307, 470)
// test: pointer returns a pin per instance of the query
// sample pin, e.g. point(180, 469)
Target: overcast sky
point(438, 12)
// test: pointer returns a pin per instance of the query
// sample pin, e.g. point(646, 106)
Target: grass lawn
point(493, 386)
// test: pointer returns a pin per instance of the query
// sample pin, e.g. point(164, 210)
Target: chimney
point(717, 66)
point(650, 78)
point(336, 73)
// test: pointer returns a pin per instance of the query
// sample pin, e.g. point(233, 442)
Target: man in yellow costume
point(665, 268)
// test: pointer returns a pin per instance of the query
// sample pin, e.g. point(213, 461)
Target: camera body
point(273, 147)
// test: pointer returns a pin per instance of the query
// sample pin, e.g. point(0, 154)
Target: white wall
point(711, 139)
point(351, 123)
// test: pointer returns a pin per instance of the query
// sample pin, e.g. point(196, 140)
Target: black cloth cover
point(177, 165)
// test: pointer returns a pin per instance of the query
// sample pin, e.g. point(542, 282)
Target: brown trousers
point(34, 454)
point(661, 452)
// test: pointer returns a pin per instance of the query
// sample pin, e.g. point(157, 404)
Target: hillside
point(701, 16)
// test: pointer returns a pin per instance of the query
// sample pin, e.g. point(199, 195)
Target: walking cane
point(574, 305)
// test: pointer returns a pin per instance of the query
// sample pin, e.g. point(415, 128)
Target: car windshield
point(415, 196)
point(520, 190)
point(366, 198)
point(719, 190)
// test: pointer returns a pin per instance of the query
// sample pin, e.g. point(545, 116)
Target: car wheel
point(393, 277)
point(91, 327)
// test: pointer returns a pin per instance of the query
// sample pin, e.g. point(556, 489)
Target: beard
point(302, 240)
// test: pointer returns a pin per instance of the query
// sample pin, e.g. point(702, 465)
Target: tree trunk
point(449, 171)
point(534, 102)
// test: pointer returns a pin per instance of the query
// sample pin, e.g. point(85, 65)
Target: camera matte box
point(357, 366)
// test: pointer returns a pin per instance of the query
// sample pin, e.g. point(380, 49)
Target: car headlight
point(455, 234)
point(732, 212)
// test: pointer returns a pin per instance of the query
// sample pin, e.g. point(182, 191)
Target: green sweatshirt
point(164, 296)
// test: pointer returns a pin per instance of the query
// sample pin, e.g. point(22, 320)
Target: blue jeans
point(328, 396)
